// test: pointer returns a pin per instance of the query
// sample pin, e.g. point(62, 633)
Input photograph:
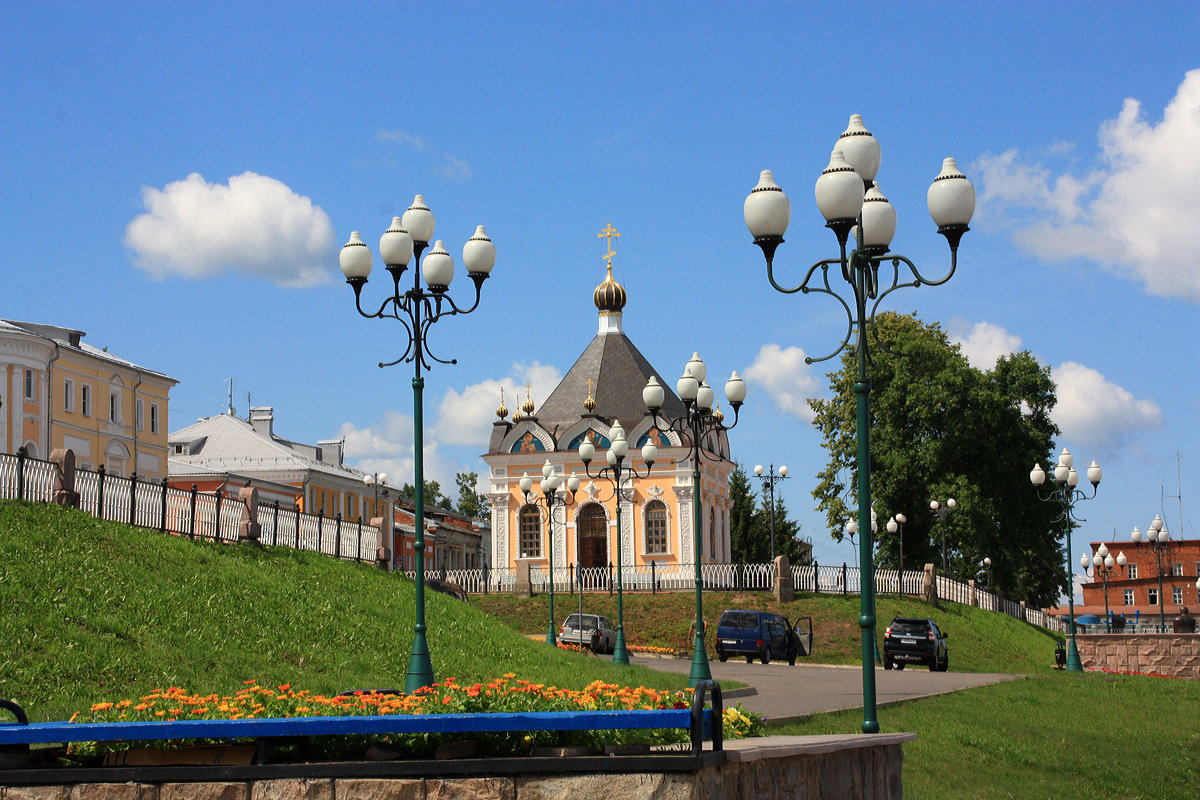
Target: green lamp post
point(1159, 542)
point(849, 199)
point(1065, 493)
point(416, 309)
point(615, 472)
point(698, 427)
point(1102, 564)
point(550, 484)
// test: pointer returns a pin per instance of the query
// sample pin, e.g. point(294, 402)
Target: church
point(602, 390)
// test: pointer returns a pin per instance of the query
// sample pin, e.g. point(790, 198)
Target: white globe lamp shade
point(1109, 562)
point(526, 483)
point(437, 268)
point(695, 367)
point(1136, 535)
point(418, 221)
point(573, 483)
point(933, 505)
point(951, 503)
point(1121, 559)
point(587, 451)
point(395, 246)
point(878, 220)
point(783, 471)
point(704, 396)
point(767, 209)
point(892, 526)
point(479, 253)
point(1094, 473)
point(758, 469)
point(901, 519)
point(951, 197)
point(649, 453)
point(1037, 475)
point(735, 390)
point(1085, 560)
point(1066, 458)
point(839, 190)
point(355, 258)
point(860, 149)
point(547, 469)
point(653, 394)
point(686, 387)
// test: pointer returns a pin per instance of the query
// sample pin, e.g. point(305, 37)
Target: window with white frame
point(1177, 595)
point(656, 527)
point(69, 396)
point(1177, 569)
point(1152, 596)
point(85, 400)
point(1133, 572)
point(1129, 597)
point(154, 417)
point(531, 532)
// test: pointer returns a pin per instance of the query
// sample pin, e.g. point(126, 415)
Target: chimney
point(329, 451)
point(262, 419)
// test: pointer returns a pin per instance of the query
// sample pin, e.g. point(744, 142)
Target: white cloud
point(450, 166)
point(1097, 413)
point(1134, 213)
point(788, 380)
point(254, 225)
point(985, 343)
point(465, 418)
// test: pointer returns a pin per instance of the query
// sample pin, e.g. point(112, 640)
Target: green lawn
point(95, 611)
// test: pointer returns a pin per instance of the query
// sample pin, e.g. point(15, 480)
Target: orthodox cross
point(608, 233)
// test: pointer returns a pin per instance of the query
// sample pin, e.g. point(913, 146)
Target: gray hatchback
point(593, 631)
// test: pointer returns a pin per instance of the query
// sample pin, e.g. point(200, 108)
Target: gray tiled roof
point(231, 444)
point(619, 373)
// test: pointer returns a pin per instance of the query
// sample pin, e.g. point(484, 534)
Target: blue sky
point(178, 179)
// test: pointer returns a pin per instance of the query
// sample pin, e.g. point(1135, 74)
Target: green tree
point(470, 502)
point(433, 494)
point(745, 523)
point(941, 428)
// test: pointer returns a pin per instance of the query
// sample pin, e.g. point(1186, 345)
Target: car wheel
point(749, 659)
point(887, 662)
point(765, 655)
point(945, 662)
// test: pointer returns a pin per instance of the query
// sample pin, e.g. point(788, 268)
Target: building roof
point(71, 339)
point(226, 443)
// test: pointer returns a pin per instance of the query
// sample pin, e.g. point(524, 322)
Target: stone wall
point(768, 768)
point(1173, 654)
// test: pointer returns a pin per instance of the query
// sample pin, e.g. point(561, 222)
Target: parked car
point(589, 630)
point(756, 634)
point(915, 641)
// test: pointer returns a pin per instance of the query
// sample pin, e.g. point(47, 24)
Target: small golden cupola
point(502, 411)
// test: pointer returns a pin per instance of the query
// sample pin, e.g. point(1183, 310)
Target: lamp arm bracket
point(803, 286)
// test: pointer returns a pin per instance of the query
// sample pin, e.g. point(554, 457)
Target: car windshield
point(909, 627)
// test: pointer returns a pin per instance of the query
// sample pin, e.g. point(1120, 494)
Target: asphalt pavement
point(782, 693)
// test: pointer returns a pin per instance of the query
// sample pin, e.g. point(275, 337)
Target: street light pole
point(941, 511)
point(896, 525)
point(1066, 495)
point(416, 310)
point(849, 199)
point(616, 468)
point(1159, 541)
point(1104, 565)
point(987, 562)
point(551, 481)
point(769, 478)
point(698, 425)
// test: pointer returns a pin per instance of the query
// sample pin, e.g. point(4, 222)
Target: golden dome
point(609, 296)
point(502, 411)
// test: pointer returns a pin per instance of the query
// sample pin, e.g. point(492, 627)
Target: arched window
point(656, 527)
point(531, 532)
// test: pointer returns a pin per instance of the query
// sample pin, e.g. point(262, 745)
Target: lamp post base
point(700, 671)
point(1074, 663)
point(420, 667)
point(620, 654)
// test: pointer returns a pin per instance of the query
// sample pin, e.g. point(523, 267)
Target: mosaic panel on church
point(592, 531)
point(598, 440)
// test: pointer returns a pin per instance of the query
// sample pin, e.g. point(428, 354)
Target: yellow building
point(602, 388)
point(59, 392)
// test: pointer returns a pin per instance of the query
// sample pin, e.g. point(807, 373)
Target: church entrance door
point(593, 536)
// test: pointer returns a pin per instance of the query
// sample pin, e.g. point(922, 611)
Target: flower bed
point(505, 694)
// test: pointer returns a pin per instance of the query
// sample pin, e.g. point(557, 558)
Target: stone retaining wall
point(768, 768)
point(1173, 654)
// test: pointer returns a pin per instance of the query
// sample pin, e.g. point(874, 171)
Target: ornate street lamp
point(416, 309)
point(987, 563)
point(550, 483)
point(769, 478)
point(941, 511)
point(1104, 565)
point(849, 199)
point(1159, 542)
point(698, 426)
point(1066, 495)
point(616, 471)
point(895, 525)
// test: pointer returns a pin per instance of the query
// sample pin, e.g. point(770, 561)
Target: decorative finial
point(609, 296)
point(528, 406)
point(718, 415)
point(502, 411)
point(590, 402)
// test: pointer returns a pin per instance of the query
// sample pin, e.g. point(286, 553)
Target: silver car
point(582, 630)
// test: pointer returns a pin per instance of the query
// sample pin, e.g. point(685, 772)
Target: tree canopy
point(750, 524)
point(941, 428)
point(470, 502)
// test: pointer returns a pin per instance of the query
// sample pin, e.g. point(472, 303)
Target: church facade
point(654, 515)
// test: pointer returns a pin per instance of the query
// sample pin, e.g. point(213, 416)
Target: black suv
point(915, 641)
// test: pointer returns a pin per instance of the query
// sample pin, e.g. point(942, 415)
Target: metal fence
point(182, 512)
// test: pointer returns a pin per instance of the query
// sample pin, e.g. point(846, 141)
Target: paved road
point(784, 693)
